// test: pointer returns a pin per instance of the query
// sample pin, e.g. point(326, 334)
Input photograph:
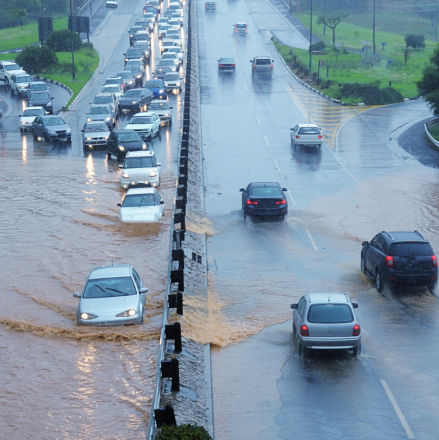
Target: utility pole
point(374, 1)
point(90, 7)
point(436, 24)
point(324, 25)
point(73, 47)
point(310, 39)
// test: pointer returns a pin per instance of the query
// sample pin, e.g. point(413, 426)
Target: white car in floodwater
point(140, 168)
point(142, 205)
point(112, 295)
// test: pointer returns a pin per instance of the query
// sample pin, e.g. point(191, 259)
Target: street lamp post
point(374, 1)
point(71, 33)
point(310, 39)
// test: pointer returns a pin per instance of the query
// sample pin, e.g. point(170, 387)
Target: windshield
point(99, 110)
point(90, 128)
point(133, 64)
point(53, 121)
point(132, 94)
point(175, 49)
point(102, 100)
point(134, 53)
point(265, 191)
point(113, 81)
point(330, 313)
point(112, 89)
point(172, 77)
point(125, 75)
point(153, 84)
point(140, 120)
point(226, 60)
point(129, 137)
point(32, 112)
point(159, 105)
point(12, 67)
point(411, 249)
point(166, 63)
point(40, 96)
point(139, 162)
point(138, 200)
point(309, 130)
point(36, 87)
point(169, 56)
point(107, 287)
point(263, 61)
point(241, 25)
point(24, 79)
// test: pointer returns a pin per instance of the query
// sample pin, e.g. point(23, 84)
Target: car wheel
point(357, 350)
point(431, 288)
point(170, 122)
point(293, 144)
point(46, 139)
point(294, 329)
point(140, 319)
point(245, 214)
point(363, 266)
point(34, 135)
point(140, 107)
point(12, 91)
point(378, 281)
point(282, 217)
point(108, 154)
point(159, 134)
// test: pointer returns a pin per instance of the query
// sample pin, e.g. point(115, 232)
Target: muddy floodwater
point(59, 220)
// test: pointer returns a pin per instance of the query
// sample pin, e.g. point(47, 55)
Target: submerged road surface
point(359, 183)
point(60, 220)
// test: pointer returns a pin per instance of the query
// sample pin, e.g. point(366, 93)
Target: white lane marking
point(291, 197)
point(259, 122)
point(241, 74)
point(397, 410)
point(251, 102)
point(246, 88)
point(266, 141)
point(234, 50)
point(277, 165)
point(312, 241)
point(231, 40)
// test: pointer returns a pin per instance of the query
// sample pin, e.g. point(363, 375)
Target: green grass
point(14, 38)
point(434, 131)
point(84, 56)
point(348, 68)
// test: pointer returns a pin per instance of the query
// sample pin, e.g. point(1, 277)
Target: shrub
point(183, 432)
point(35, 59)
point(371, 94)
point(87, 45)
point(320, 46)
point(61, 41)
point(415, 41)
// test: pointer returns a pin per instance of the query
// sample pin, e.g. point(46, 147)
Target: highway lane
point(359, 184)
point(60, 219)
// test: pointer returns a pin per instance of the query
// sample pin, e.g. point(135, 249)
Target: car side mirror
point(52, 97)
point(365, 243)
point(159, 164)
point(19, 116)
point(251, 61)
point(77, 295)
point(241, 189)
point(162, 202)
point(82, 131)
point(355, 305)
point(272, 61)
point(120, 166)
point(90, 102)
point(294, 306)
point(143, 290)
point(284, 189)
point(119, 204)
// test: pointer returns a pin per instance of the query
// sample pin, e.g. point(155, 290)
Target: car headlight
point(69, 130)
point(23, 122)
point(88, 139)
point(106, 137)
point(107, 119)
point(139, 75)
point(134, 102)
point(125, 176)
point(144, 146)
point(178, 84)
point(49, 104)
point(166, 114)
point(51, 131)
point(130, 312)
point(86, 316)
point(22, 87)
point(130, 82)
point(121, 147)
point(88, 119)
point(161, 91)
point(153, 174)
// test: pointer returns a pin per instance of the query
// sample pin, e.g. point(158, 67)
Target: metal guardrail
point(427, 131)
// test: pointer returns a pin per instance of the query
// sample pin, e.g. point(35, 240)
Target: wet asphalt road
point(361, 182)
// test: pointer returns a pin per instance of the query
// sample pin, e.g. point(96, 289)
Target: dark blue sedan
point(157, 87)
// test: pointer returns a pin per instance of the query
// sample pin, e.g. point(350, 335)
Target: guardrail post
point(165, 416)
point(182, 191)
point(180, 203)
point(179, 218)
point(176, 302)
point(170, 369)
point(177, 276)
point(178, 255)
point(173, 331)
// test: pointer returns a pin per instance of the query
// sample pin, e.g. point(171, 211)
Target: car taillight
point(236, 30)
point(221, 65)
point(297, 136)
point(356, 331)
point(272, 67)
point(304, 330)
point(389, 261)
point(319, 136)
point(434, 260)
point(246, 30)
point(251, 202)
point(281, 202)
point(233, 65)
point(254, 66)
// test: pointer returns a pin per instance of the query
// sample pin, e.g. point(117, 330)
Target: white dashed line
point(266, 141)
point(277, 165)
point(241, 74)
point(251, 102)
point(291, 197)
point(312, 241)
point(259, 122)
point(397, 410)
point(246, 88)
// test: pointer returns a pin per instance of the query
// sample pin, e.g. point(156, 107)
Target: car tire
point(159, 134)
point(34, 135)
point(46, 139)
point(357, 350)
point(140, 319)
point(282, 217)
point(12, 91)
point(378, 281)
point(294, 329)
point(108, 154)
point(170, 122)
point(293, 144)
point(245, 214)
point(431, 288)
point(363, 266)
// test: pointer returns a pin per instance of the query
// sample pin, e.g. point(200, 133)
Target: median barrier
point(427, 131)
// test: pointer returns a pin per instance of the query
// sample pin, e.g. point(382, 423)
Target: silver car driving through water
point(112, 295)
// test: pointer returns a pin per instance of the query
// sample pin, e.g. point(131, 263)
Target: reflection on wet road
point(60, 220)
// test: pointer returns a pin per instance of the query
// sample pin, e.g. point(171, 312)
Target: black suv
point(122, 141)
point(400, 258)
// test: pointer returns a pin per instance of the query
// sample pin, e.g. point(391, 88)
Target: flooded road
point(60, 220)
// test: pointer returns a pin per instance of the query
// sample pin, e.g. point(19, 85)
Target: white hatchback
point(142, 205)
point(140, 168)
point(28, 117)
point(147, 124)
point(116, 89)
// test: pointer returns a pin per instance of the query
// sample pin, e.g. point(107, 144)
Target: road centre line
point(276, 165)
point(397, 410)
point(251, 102)
point(312, 240)
point(246, 88)
point(241, 74)
point(259, 122)
point(266, 141)
point(291, 197)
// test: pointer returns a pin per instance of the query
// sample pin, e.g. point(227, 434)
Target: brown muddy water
point(59, 220)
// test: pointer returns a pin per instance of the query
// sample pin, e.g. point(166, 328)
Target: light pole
point(71, 33)
point(374, 26)
point(324, 25)
point(310, 39)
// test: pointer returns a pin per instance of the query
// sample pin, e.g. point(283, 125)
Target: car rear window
point(330, 313)
point(264, 61)
point(309, 130)
point(411, 249)
point(241, 25)
point(265, 191)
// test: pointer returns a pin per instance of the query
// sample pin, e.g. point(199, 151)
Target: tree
point(61, 41)
point(415, 41)
point(19, 14)
point(35, 59)
point(332, 21)
point(428, 86)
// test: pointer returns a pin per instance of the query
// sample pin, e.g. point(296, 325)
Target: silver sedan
point(326, 321)
point(308, 135)
point(112, 295)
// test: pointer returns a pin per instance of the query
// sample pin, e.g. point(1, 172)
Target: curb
point(427, 131)
point(51, 81)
